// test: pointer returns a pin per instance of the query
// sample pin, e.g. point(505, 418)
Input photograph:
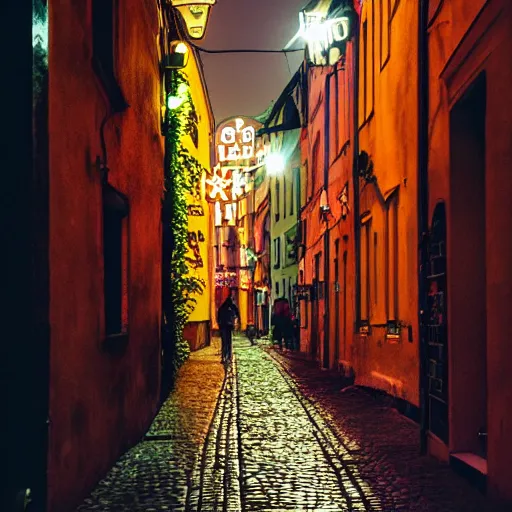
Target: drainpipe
point(423, 99)
point(325, 358)
point(355, 175)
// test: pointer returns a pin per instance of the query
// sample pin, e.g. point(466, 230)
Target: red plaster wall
point(467, 38)
point(339, 164)
point(101, 404)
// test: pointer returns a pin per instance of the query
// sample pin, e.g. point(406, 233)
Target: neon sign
point(219, 184)
point(325, 34)
point(237, 142)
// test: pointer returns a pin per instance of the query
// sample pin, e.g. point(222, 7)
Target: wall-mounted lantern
point(196, 14)
point(178, 56)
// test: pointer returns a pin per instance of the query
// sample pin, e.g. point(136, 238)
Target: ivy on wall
point(182, 173)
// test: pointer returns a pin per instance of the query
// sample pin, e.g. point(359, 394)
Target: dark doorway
point(437, 335)
point(336, 302)
point(344, 284)
point(315, 305)
point(468, 344)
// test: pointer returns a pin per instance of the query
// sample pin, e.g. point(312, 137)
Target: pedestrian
point(226, 320)
point(282, 323)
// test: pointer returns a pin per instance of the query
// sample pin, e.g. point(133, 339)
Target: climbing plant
point(182, 173)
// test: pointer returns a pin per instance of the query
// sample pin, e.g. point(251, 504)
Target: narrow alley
point(258, 438)
point(258, 256)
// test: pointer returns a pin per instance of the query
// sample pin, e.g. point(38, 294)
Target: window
point(284, 197)
point(365, 272)
point(277, 252)
point(278, 200)
point(375, 271)
point(292, 194)
point(366, 63)
point(295, 195)
point(103, 50)
point(277, 289)
point(314, 168)
point(384, 31)
point(392, 259)
point(365, 68)
point(115, 257)
point(284, 287)
point(337, 114)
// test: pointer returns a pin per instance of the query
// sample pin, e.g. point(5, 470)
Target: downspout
point(327, 317)
point(355, 177)
point(423, 105)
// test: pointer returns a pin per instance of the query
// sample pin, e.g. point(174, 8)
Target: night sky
point(245, 84)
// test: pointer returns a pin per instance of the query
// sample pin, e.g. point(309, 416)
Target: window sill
point(115, 344)
point(393, 339)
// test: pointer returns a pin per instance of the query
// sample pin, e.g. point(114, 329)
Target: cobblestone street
point(269, 442)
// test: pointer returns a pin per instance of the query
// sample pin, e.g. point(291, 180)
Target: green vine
point(182, 173)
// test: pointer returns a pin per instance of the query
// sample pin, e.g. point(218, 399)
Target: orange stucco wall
point(388, 132)
point(466, 39)
point(100, 404)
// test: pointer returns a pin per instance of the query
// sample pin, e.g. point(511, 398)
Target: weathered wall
point(388, 129)
point(199, 226)
point(287, 145)
point(466, 39)
point(313, 155)
point(100, 404)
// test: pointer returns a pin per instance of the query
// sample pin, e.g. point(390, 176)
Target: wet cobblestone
point(156, 474)
point(276, 434)
point(386, 444)
point(291, 459)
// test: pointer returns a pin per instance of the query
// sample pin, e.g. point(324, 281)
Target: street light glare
point(174, 102)
point(181, 48)
point(275, 163)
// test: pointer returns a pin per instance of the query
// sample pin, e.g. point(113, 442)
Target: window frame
point(104, 35)
point(115, 208)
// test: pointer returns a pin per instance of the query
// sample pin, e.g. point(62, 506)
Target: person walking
point(226, 320)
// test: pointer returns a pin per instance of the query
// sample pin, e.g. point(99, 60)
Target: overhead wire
point(243, 50)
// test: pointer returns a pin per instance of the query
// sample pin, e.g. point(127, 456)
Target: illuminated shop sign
point(237, 142)
point(226, 279)
point(323, 37)
point(226, 184)
point(325, 28)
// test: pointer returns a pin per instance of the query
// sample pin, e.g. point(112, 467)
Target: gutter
point(355, 179)
point(327, 258)
point(423, 103)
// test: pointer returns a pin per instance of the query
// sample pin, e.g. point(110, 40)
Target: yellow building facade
point(198, 257)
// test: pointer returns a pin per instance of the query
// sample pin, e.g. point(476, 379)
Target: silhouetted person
point(226, 320)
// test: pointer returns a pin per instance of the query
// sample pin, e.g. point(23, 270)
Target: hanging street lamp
point(196, 14)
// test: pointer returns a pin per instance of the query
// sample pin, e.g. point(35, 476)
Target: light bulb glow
point(181, 48)
point(275, 163)
point(174, 102)
point(182, 89)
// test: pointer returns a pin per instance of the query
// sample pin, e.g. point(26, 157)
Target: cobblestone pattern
point(215, 484)
point(280, 437)
point(156, 474)
point(291, 460)
point(386, 444)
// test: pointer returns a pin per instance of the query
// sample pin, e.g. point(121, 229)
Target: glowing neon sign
point(325, 36)
point(237, 142)
point(219, 184)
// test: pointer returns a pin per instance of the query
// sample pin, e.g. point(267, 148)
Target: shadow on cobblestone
point(388, 445)
point(156, 474)
point(276, 434)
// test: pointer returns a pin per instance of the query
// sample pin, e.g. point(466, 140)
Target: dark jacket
point(227, 313)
